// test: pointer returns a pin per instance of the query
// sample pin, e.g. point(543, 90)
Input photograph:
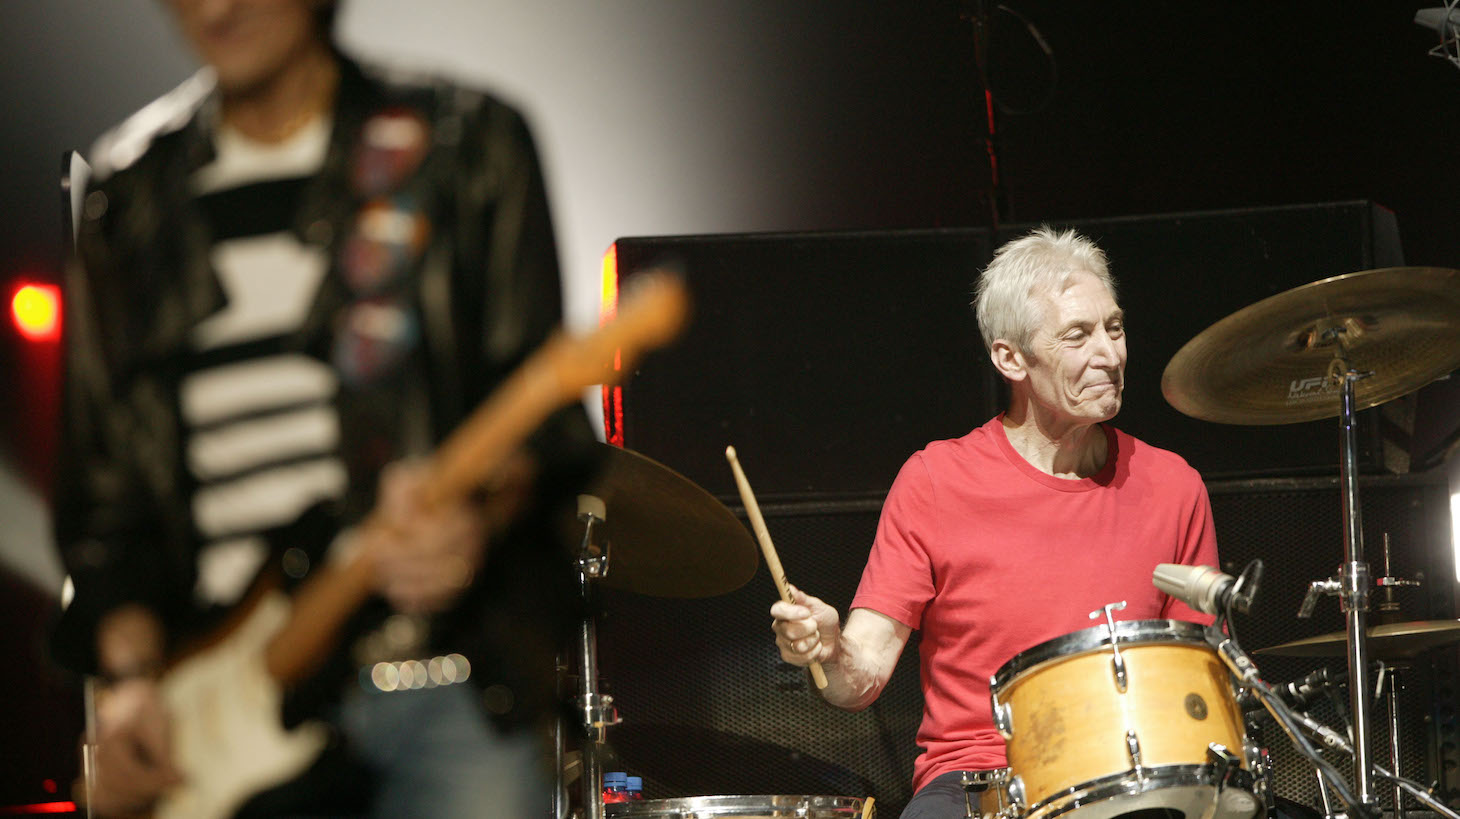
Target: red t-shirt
point(989, 556)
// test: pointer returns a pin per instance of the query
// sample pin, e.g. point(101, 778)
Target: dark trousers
point(943, 798)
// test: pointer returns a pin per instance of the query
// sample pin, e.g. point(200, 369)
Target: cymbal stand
point(1390, 675)
point(1352, 584)
point(1323, 795)
point(1389, 612)
point(598, 710)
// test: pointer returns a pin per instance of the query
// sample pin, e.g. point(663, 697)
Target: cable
point(1054, 72)
point(1420, 792)
point(1245, 670)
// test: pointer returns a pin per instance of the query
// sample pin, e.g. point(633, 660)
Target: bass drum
point(747, 807)
point(1147, 720)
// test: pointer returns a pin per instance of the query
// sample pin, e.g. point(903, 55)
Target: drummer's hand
point(806, 629)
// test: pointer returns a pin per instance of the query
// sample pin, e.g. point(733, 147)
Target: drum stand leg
point(1323, 795)
point(1393, 703)
point(969, 789)
point(597, 710)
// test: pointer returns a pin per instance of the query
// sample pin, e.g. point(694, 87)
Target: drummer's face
point(1076, 359)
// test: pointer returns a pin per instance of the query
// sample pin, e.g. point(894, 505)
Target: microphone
point(1201, 587)
point(1299, 693)
point(1302, 691)
point(1206, 589)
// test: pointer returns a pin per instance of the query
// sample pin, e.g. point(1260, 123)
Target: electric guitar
point(225, 698)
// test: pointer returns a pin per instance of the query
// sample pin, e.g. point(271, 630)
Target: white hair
point(1040, 262)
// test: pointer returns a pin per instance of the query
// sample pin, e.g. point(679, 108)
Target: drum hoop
point(1148, 632)
point(731, 805)
point(1127, 783)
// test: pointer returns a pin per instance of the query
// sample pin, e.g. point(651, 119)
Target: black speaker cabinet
point(827, 359)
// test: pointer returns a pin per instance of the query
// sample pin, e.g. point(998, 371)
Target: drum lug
point(1116, 661)
point(1004, 719)
point(1133, 747)
point(1016, 793)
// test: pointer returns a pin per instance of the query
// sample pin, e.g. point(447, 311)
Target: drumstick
point(766, 547)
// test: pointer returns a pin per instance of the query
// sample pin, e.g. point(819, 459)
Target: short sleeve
point(898, 580)
point(1197, 547)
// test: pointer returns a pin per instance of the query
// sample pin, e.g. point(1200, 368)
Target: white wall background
point(653, 117)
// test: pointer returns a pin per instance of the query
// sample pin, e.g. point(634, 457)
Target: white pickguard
point(228, 738)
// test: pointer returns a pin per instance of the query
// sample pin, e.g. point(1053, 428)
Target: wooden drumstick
point(766, 547)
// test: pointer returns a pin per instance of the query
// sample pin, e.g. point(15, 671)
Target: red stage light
point(43, 807)
point(35, 309)
point(613, 396)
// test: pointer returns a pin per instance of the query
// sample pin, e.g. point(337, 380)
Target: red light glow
point(35, 310)
point(613, 396)
point(42, 807)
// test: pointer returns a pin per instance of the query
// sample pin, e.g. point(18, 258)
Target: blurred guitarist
point(295, 276)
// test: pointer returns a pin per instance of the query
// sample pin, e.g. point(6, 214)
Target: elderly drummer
point(1014, 533)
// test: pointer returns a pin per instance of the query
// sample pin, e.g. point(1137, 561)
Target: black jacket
point(486, 291)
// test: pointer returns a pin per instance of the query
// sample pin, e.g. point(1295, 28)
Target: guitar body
point(227, 735)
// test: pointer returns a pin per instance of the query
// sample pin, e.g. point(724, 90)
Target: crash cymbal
point(668, 537)
point(1268, 363)
point(1392, 641)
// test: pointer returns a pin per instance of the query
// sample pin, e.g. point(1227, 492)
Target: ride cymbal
point(667, 536)
point(1269, 362)
point(1392, 641)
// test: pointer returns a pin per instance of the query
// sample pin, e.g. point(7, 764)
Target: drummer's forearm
point(867, 650)
point(853, 681)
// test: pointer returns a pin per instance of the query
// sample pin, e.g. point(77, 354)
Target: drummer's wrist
point(836, 655)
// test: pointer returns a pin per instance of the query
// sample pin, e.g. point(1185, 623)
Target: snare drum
point(1100, 727)
point(746, 807)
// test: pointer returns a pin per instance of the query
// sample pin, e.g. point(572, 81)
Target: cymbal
point(667, 536)
point(1391, 641)
point(1268, 363)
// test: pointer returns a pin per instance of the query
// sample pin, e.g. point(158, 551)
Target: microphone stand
point(1245, 670)
point(1339, 742)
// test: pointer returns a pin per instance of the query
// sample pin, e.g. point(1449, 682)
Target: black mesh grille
point(709, 708)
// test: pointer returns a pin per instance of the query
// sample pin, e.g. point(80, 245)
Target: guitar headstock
point(653, 310)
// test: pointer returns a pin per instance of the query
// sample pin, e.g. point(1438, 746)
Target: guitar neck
point(552, 377)
point(474, 452)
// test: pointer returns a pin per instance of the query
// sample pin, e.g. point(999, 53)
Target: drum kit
point(1123, 717)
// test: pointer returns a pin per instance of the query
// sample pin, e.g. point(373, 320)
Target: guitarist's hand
point(425, 558)
point(133, 749)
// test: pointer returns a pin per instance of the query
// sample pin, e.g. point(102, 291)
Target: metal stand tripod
point(597, 710)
